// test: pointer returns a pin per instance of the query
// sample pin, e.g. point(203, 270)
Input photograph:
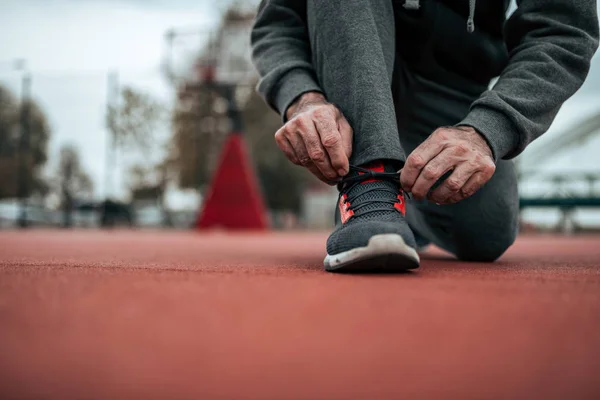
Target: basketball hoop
point(220, 63)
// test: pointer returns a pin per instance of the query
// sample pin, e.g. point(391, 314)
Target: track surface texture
point(149, 315)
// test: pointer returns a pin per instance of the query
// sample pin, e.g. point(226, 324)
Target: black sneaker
point(371, 233)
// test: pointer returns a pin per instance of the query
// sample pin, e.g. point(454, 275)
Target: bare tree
point(136, 123)
point(37, 146)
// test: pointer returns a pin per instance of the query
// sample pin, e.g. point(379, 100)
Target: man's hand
point(460, 149)
point(317, 136)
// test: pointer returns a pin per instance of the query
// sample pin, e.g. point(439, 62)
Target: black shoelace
point(349, 182)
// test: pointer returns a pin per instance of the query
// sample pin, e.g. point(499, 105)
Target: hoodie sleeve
point(281, 53)
point(550, 44)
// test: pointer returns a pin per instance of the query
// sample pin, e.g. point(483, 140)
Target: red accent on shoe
point(375, 166)
point(401, 204)
point(345, 212)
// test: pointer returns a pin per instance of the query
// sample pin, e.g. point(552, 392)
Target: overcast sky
point(70, 45)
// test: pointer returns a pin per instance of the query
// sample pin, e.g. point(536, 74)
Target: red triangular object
point(234, 200)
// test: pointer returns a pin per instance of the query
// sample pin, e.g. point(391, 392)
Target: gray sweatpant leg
point(353, 49)
point(393, 107)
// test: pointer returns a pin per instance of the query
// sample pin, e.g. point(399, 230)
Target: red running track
point(108, 315)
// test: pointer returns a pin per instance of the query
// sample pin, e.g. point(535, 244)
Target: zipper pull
point(411, 4)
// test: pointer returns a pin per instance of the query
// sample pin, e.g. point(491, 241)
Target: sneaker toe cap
point(353, 235)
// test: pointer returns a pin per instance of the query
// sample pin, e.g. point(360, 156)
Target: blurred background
point(106, 119)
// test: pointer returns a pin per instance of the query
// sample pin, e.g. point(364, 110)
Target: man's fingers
point(301, 154)
point(320, 139)
point(331, 140)
point(452, 185)
point(299, 148)
point(475, 182)
point(285, 146)
point(462, 151)
point(417, 160)
point(305, 158)
point(430, 173)
point(307, 132)
point(307, 162)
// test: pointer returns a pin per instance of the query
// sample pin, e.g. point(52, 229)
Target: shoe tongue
point(376, 166)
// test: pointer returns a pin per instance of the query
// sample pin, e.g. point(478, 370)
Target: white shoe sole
point(384, 253)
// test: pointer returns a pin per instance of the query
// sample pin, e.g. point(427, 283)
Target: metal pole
point(25, 167)
point(112, 96)
point(112, 92)
point(169, 38)
point(233, 111)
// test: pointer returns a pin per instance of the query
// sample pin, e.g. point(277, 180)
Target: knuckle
point(300, 123)
point(416, 161)
point(461, 149)
point(317, 155)
point(466, 192)
point(453, 185)
point(487, 171)
point(430, 173)
point(321, 112)
point(490, 169)
point(331, 141)
point(473, 164)
point(442, 134)
point(281, 142)
point(289, 128)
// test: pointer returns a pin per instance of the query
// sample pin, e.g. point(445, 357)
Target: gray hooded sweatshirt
point(541, 53)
